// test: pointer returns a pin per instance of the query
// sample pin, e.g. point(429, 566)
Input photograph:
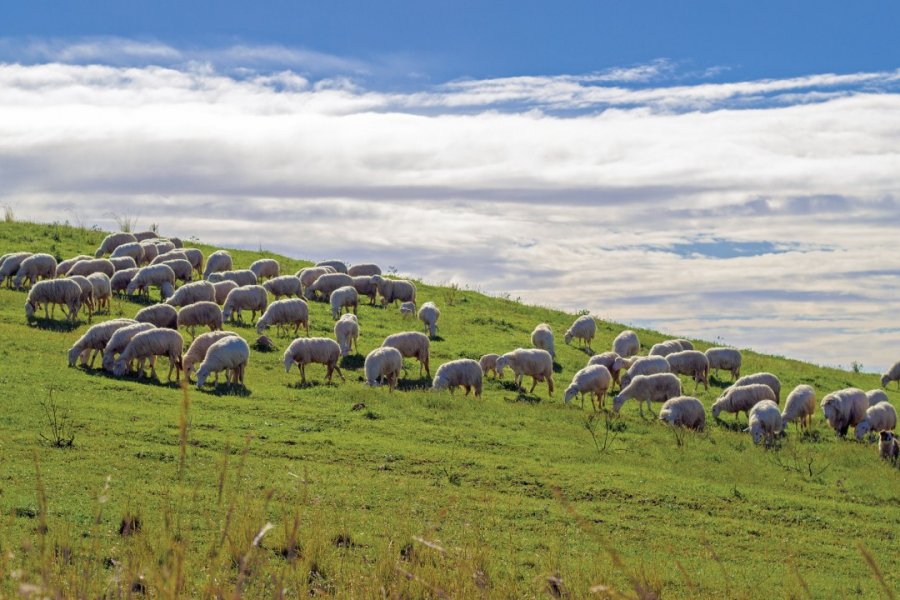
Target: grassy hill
point(419, 494)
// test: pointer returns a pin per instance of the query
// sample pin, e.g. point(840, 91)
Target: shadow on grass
point(524, 397)
point(422, 383)
point(437, 338)
point(55, 325)
point(557, 368)
point(731, 425)
point(226, 389)
point(353, 361)
point(312, 384)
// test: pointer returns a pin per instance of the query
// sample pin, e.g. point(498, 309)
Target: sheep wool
point(94, 341)
point(93, 265)
point(149, 345)
point(197, 351)
point(365, 287)
point(488, 364)
point(394, 290)
point(364, 269)
point(304, 351)
point(383, 363)
point(10, 266)
point(160, 315)
point(534, 362)
point(102, 290)
point(265, 268)
point(119, 340)
point(339, 266)
point(230, 353)
point(766, 379)
point(429, 315)
point(252, 298)
point(326, 284)
point(542, 337)
point(876, 396)
point(189, 293)
point(346, 332)
point(881, 417)
point(594, 380)
point(893, 374)
point(200, 313)
point(464, 372)
point(113, 241)
point(845, 409)
point(764, 421)
point(343, 297)
point(658, 387)
point(626, 344)
point(800, 406)
point(584, 328)
point(888, 446)
point(411, 344)
point(64, 292)
point(63, 267)
point(683, 411)
point(223, 288)
point(691, 363)
point(217, 262)
point(728, 359)
point(34, 268)
point(283, 313)
point(737, 399)
point(285, 285)
point(645, 365)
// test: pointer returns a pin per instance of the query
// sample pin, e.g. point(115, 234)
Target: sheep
point(346, 332)
point(217, 262)
point(683, 411)
point(113, 241)
point(150, 252)
point(893, 374)
point(343, 297)
point(764, 421)
point(381, 363)
point(463, 372)
point(584, 328)
point(536, 363)
point(252, 298)
point(411, 344)
point(182, 268)
point(881, 417)
point(120, 263)
point(189, 293)
point(326, 284)
point(120, 280)
point(200, 313)
point(338, 265)
point(64, 292)
point(876, 396)
point(149, 345)
point(290, 311)
point(143, 236)
point(725, 358)
point(845, 409)
point(176, 242)
point(167, 256)
point(63, 267)
point(265, 268)
point(488, 363)
point(230, 353)
point(10, 266)
point(888, 446)
point(242, 277)
point(95, 265)
point(119, 340)
point(741, 399)
point(407, 309)
point(765, 378)
point(195, 257)
point(595, 380)
point(160, 315)
point(133, 250)
point(626, 344)
point(223, 288)
point(286, 285)
point(666, 348)
point(658, 387)
point(94, 341)
point(691, 363)
point(161, 276)
point(611, 361)
point(309, 275)
point(163, 246)
point(364, 269)
point(365, 287)
point(303, 351)
point(33, 268)
point(800, 405)
point(87, 293)
point(685, 344)
point(429, 315)
point(197, 351)
point(393, 290)
point(542, 337)
point(645, 365)
point(102, 290)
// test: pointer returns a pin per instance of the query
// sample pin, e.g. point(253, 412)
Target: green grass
point(419, 494)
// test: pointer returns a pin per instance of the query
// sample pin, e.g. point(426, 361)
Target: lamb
point(33, 268)
point(197, 291)
point(121, 263)
point(94, 341)
point(197, 351)
point(150, 252)
point(343, 297)
point(364, 269)
point(87, 293)
point(119, 340)
point(542, 337)
point(626, 344)
point(365, 287)
point(381, 363)
point(96, 265)
point(64, 292)
point(741, 399)
point(683, 411)
point(881, 417)
point(242, 277)
point(611, 361)
point(691, 363)
point(303, 351)
point(876, 396)
point(725, 358)
point(133, 250)
point(845, 409)
point(893, 374)
point(286, 285)
point(200, 313)
point(167, 256)
point(10, 266)
point(265, 268)
point(149, 345)
point(161, 276)
point(765, 378)
point(393, 290)
point(407, 309)
point(584, 328)
point(290, 311)
point(160, 315)
point(326, 284)
point(488, 363)
point(63, 267)
point(223, 288)
point(252, 298)
point(309, 275)
point(593, 379)
point(346, 332)
point(195, 257)
point(230, 353)
point(649, 388)
point(534, 362)
point(463, 372)
point(429, 315)
point(182, 268)
point(102, 288)
point(764, 421)
point(645, 365)
point(338, 265)
point(217, 262)
point(888, 446)
point(411, 344)
point(113, 241)
point(120, 280)
point(666, 348)
point(800, 405)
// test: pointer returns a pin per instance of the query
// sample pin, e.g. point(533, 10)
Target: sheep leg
point(338, 369)
point(302, 373)
point(533, 383)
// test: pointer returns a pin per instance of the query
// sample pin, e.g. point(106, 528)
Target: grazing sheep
point(132, 250)
point(286, 285)
point(176, 242)
point(881, 417)
point(666, 348)
point(33, 268)
point(95, 265)
point(64, 292)
point(309, 275)
point(876, 396)
point(764, 421)
point(411, 344)
point(200, 313)
point(685, 344)
point(223, 288)
point(893, 374)
point(658, 387)
point(217, 262)
point(120, 280)
point(252, 298)
point(87, 293)
point(542, 337)
point(800, 405)
point(594, 380)
point(242, 277)
point(197, 351)
point(339, 266)
point(463, 372)
point(119, 340)
point(346, 332)
point(231, 353)
point(488, 363)
point(645, 365)
point(626, 344)
point(534, 362)
point(845, 409)
point(121, 263)
point(343, 297)
point(383, 363)
point(149, 345)
point(102, 290)
point(160, 315)
point(265, 268)
point(163, 246)
point(94, 341)
point(281, 313)
point(365, 287)
point(394, 290)
point(113, 241)
point(150, 252)
point(143, 236)
point(197, 291)
point(766, 379)
point(182, 268)
point(725, 358)
point(167, 256)
point(741, 399)
point(303, 351)
point(429, 315)
point(691, 363)
point(364, 269)
point(326, 284)
point(63, 267)
point(10, 266)
point(611, 361)
point(195, 257)
point(407, 309)
point(683, 411)
point(161, 276)
point(584, 328)
point(888, 446)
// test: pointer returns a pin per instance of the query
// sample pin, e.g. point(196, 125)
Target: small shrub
point(8, 215)
point(60, 433)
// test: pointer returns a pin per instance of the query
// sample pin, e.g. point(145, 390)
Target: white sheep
point(182, 268)
point(176, 241)
point(167, 256)
point(429, 315)
point(542, 337)
point(611, 361)
point(341, 298)
point(34, 268)
point(200, 313)
point(845, 409)
point(119, 340)
point(132, 250)
point(10, 266)
point(394, 290)
point(102, 287)
point(407, 309)
point(683, 411)
point(189, 293)
point(64, 292)
point(691, 363)
point(242, 277)
point(888, 446)
point(764, 421)
point(728, 359)
point(339, 266)
point(308, 275)
point(303, 351)
point(223, 288)
point(463, 372)
point(230, 353)
point(93, 265)
point(584, 328)
point(87, 294)
point(893, 374)
point(326, 284)
point(163, 246)
point(765, 378)
point(365, 287)
point(658, 387)
point(197, 351)
point(160, 315)
point(218, 262)
point(149, 345)
point(644, 365)
point(685, 344)
point(285, 285)
point(161, 276)
point(113, 241)
point(881, 417)
point(383, 363)
point(800, 406)
point(741, 399)
point(122, 263)
point(252, 298)
point(143, 236)
point(282, 313)
point(94, 341)
point(594, 380)
point(534, 362)
point(150, 252)
point(626, 344)
point(63, 267)
point(666, 348)
point(346, 332)
point(195, 257)
point(364, 269)
point(411, 344)
point(265, 268)
point(488, 364)
point(876, 396)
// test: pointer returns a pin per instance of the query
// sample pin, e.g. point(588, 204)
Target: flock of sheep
point(137, 262)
